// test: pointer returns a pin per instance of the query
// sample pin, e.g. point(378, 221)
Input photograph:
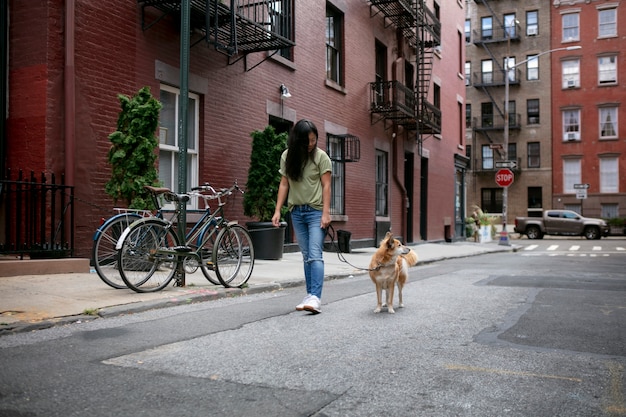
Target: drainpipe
point(394, 140)
point(70, 93)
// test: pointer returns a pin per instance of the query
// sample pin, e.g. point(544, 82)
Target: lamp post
point(504, 237)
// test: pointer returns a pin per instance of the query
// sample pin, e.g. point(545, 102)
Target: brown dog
point(390, 267)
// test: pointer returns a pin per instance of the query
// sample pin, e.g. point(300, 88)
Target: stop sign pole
point(504, 178)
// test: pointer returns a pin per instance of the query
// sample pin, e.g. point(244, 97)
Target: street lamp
point(504, 237)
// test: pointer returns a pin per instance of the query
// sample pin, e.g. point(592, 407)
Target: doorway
point(424, 198)
point(409, 172)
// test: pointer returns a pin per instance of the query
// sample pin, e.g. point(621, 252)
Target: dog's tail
point(411, 257)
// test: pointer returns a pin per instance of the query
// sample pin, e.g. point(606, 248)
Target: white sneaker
point(300, 306)
point(313, 304)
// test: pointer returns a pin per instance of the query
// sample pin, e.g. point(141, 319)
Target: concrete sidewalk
point(32, 302)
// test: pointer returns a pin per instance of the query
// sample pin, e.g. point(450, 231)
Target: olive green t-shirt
point(309, 189)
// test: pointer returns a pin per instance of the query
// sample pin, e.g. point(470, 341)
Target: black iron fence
point(36, 216)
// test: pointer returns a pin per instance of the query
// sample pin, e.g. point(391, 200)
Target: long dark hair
point(298, 149)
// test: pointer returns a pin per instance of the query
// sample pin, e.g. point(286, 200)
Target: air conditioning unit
point(571, 83)
point(532, 30)
point(572, 136)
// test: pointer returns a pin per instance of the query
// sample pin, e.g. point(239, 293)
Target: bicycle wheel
point(104, 254)
point(233, 256)
point(207, 241)
point(143, 261)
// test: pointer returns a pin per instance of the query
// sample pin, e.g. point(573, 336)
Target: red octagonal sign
point(504, 177)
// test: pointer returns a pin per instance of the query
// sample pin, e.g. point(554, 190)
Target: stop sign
point(504, 177)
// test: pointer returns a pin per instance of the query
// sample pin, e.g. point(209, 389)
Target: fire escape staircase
point(232, 27)
point(392, 100)
point(487, 82)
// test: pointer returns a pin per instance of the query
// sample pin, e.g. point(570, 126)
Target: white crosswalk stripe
point(552, 250)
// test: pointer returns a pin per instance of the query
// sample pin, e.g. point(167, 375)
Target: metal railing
point(36, 216)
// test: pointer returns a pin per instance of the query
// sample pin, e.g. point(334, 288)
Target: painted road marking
point(465, 368)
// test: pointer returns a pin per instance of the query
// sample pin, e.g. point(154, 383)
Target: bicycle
point(104, 253)
point(150, 253)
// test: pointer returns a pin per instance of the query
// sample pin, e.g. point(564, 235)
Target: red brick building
point(353, 71)
point(588, 113)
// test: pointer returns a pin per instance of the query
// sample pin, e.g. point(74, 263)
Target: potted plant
point(259, 201)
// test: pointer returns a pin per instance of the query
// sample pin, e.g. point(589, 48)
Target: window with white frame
point(571, 175)
point(468, 73)
point(382, 183)
point(510, 26)
point(334, 44)
point(571, 124)
point(532, 23)
point(609, 175)
point(609, 210)
point(571, 27)
point(337, 176)
point(571, 73)
point(608, 122)
point(487, 157)
point(607, 23)
point(169, 142)
point(532, 111)
point(607, 69)
point(468, 31)
point(532, 67)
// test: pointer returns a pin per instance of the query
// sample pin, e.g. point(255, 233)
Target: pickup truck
point(561, 222)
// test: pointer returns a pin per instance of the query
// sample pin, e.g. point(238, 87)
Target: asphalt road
point(538, 332)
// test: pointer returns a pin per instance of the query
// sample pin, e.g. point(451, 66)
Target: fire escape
point(495, 41)
point(233, 27)
point(392, 100)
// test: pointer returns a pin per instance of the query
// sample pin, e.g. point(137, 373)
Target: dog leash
point(330, 231)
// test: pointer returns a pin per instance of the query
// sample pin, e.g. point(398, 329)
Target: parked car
point(561, 222)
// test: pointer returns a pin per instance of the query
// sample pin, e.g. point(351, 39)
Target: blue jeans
point(306, 223)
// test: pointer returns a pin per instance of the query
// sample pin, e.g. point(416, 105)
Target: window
point(571, 124)
point(280, 20)
point(607, 23)
point(468, 73)
point(468, 31)
point(512, 114)
point(571, 175)
point(468, 154)
point(486, 28)
point(468, 115)
point(510, 25)
point(491, 200)
point(607, 69)
point(509, 65)
point(608, 122)
point(609, 175)
point(486, 114)
point(334, 47)
point(486, 71)
point(609, 210)
point(570, 27)
point(169, 140)
point(571, 73)
point(380, 52)
point(535, 199)
point(532, 23)
point(532, 111)
point(335, 152)
point(487, 157)
point(511, 153)
point(382, 183)
point(534, 155)
point(532, 67)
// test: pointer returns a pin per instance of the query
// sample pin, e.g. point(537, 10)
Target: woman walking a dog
point(305, 183)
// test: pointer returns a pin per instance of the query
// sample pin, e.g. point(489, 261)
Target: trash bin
point(343, 240)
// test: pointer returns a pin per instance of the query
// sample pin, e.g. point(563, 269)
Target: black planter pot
point(268, 241)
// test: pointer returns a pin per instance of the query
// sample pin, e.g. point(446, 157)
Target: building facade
point(588, 87)
point(371, 81)
point(508, 39)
